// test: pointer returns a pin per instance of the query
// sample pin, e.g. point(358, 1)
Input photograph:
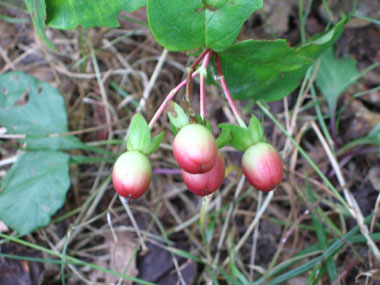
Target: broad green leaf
point(186, 25)
point(255, 69)
point(155, 143)
point(138, 135)
point(37, 11)
point(241, 138)
point(335, 76)
point(270, 70)
point(34, 189)
point(67, 15)
point(34, 108)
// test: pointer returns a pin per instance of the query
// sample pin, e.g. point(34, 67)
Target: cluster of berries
point(197, 154)
point(203, 166)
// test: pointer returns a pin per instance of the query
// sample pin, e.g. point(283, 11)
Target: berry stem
point(168, 98)
point(202, 77)
point(226, 91)
point(190, 72)
point(167, 171)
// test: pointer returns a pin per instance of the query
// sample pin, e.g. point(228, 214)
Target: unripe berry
point(131, 174)
point(262, 166)
point(195, 149)
point(203, 184)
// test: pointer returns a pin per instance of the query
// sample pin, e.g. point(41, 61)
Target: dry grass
point(236, 231)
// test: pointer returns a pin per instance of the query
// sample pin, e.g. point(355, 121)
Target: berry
point(203, 184)
point(262, 166)
point(195, 149)
point(132, 174)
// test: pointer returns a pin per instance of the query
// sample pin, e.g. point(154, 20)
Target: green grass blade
point(322, 237)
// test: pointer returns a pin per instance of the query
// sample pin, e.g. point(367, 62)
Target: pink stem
point(203, 85)
point(167, 99)
point(167, 171)
point(346, 271)
point(226, 91)
point(189, 75)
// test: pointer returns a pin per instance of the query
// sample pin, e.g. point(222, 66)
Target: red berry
point(262, 166)
point(203, 184)
point(195, 149)
point(132, 174)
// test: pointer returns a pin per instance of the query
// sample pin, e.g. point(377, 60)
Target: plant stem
point(226, 91)
point(167, 171)
point(167, 99)
point(202, 76)
point(189, 75)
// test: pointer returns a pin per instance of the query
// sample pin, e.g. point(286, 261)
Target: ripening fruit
point(195, 149)
point(131, 174)
point(203, 184)
point(262, 166)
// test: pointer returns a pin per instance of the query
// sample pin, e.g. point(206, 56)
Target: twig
point(103, 92)
point(152, 80)
point(124, 201)
point(354, 208)
point(227, 220)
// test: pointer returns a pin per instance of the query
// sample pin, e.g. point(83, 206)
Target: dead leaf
point(122, 258)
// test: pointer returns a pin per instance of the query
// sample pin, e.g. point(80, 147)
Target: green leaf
point(138, 135)
point(155, 143)
point(271, 70)
point(241, 138)
point(210, 230)
point(254, 69)
point(67, 15)
point(173, 128)
point(34, 108)
point(224, 138)
point(186, 25)
point(37, 11)
point(34, 189)
point(335, 76)
point(256, 130)
point(177, 116)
